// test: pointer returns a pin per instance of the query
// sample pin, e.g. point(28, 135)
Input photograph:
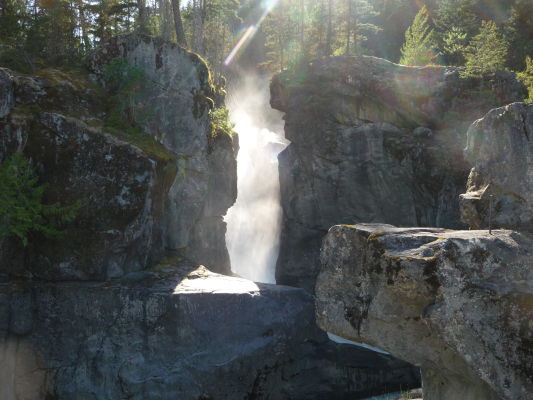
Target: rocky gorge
point(119, 306)
point(137, 299)
point(456, 303)
point(373, 141)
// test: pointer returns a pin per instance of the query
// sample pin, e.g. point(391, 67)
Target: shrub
point(526, 77)
point(22, 210)
point(220, 123)
point(127, 85)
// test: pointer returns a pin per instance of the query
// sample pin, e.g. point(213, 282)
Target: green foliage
point(487, 52)
point(220, 123)
point(526, 77)
point(15, 59)
point(22, 210)
point(519, 30)
point(127, 85)
point(462, 14)
point(419, 41)
point(455, 41)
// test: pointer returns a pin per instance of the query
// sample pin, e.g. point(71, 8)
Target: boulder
point(373, 141)
point(458, 304)
point(178, 333)
point(161, 185)
point(500, 185)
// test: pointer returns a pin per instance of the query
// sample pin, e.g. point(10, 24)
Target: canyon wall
point(458, 304)
point(372, 141)
point(117, 307)
point(163, 184)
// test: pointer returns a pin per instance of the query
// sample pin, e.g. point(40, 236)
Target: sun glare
point(247, 35)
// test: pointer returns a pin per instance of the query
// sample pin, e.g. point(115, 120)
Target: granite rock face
point(177, 102)
point(458, 304)
point(372, 141)
point(183, 334)
point(142, 193)
point(500, 149)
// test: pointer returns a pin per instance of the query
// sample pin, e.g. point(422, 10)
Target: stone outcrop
point(116, 308)
point(183, 334)
point(372, 141)
point(143, 191)
point(459, 304)
point(500, 149)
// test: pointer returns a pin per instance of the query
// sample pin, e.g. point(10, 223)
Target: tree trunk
point(302, 28)
point(178, 23)
point(329, 34)
point(164, 15)
point(83, 26)
point(143, 16)
point(348, 28)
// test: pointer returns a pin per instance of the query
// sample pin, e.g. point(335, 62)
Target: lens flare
point(267, 6)
point(241, 44)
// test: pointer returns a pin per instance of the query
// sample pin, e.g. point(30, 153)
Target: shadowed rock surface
point(459, 304)
point(164, 185)
point(105, 312)
point(500, 149)
point(178, 334)
point(372, 141)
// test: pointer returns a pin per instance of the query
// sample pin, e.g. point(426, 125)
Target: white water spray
point(254, 222)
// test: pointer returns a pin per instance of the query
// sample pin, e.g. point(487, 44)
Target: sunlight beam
point(249, 33)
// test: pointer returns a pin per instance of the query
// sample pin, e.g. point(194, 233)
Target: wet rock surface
point(500, 150)
point(372, 141)
point(459, 304)
point(178, 334)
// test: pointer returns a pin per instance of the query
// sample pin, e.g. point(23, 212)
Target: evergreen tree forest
point(276, 34)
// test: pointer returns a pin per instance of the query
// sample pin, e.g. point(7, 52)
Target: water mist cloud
point(254, 222)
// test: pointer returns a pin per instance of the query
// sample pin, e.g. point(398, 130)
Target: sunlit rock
point(178, 334)
point(500, 186)
point(163, 185)
point(373, 141)
point(459, 304)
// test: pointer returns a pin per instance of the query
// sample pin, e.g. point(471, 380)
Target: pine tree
point(519, 29)
point(487, 52)
point(22, 210)
point(527, 77)
point(454, 44)
point(419, 41)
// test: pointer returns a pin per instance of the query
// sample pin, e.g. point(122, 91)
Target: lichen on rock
point(373, 141)
point(457, 304)
point(144, 184)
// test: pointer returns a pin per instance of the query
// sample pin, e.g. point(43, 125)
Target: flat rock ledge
point(178, 333)
point(458, 304)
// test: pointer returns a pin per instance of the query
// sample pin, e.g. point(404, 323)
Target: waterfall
point(254, 221)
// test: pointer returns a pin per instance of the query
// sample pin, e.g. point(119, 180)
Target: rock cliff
point(144, 190)
point(116, 308)
point(459, 304)
point(372, 141)
point(500, 149)
point(183, 334)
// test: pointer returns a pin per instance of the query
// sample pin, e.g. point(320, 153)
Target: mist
point(254, 222)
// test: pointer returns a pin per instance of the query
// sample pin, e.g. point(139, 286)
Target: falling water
point(254, 221)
